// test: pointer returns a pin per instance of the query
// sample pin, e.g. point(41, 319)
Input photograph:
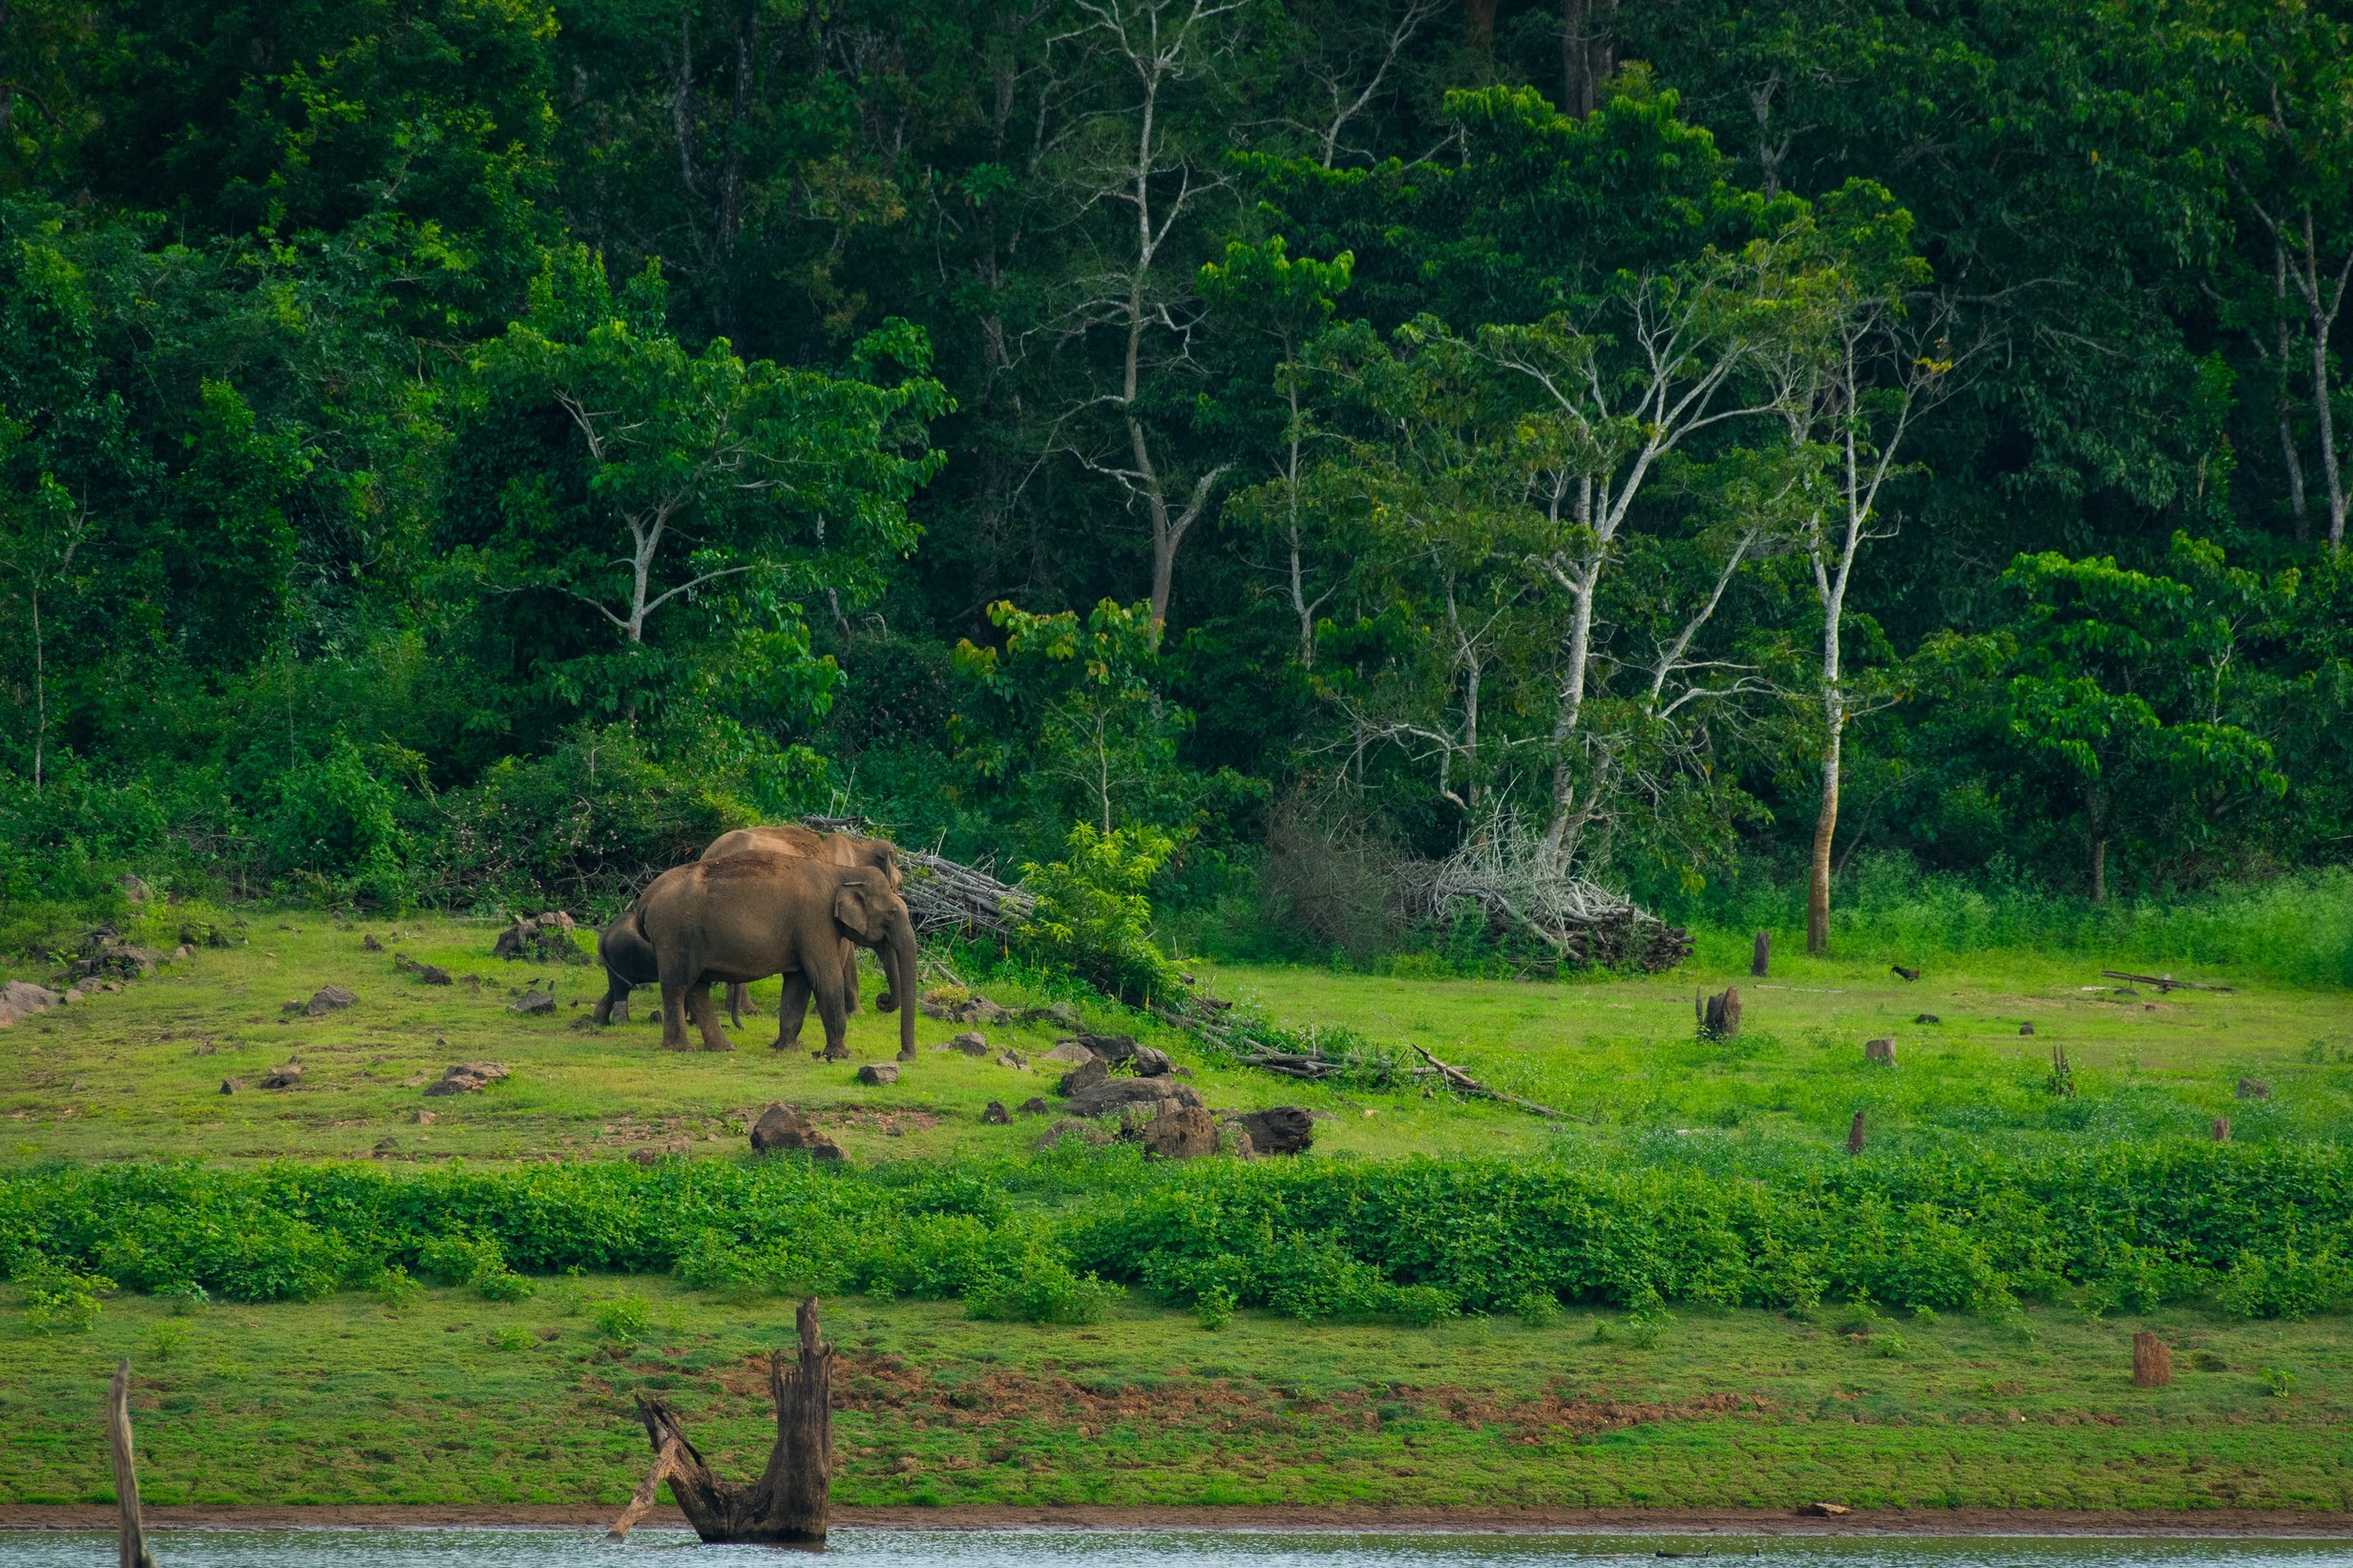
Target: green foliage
point(623, 1319)
point(1093, 918)
point(56, 1297)
point(475, 1260)
point(2287, 1284)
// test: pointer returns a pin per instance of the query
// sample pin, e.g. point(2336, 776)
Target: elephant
point(628, 960)
point(848, 849)
point(742, 917)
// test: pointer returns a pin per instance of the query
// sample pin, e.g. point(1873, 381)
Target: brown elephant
point(628, 960)
point(848, 849)
point(742, 917)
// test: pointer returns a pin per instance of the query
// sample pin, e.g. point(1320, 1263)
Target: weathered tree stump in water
point(1763, 954)
point(1719, 1015)
point(1854, 1136)
point(787, 1505)
point(2152, 1361)
point(132, 1538)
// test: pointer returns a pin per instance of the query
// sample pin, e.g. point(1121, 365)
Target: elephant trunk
point(897, 954)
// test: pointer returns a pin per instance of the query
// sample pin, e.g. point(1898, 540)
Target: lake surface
point(1048, 1548)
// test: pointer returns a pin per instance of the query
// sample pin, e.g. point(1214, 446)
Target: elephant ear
point(857, 910)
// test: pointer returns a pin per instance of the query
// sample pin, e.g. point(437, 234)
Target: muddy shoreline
point(1917, 1521)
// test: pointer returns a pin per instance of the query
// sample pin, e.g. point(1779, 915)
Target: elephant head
point(871, 914)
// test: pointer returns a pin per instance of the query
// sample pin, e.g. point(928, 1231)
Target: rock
point(783, 1130)
point(369, 943)
point(2254, 1089)
point(386, 1148)
point(1015, 1061)
point(876, 1074)
point(1279, 1129)
point(534, 1002)
point(954, 1004)
point(1904, 974)
point(582, 1025)
point(283, 1077)
point(1035, 1106)
point(228, 1086)
point(1113, 1094)
point(971, 1042)
point(73, 993)
point(133, 888)
point(182, 952)
point(1085, 1076)
point(1825, 1510)
point(994, 1115)
point(1069, 1051)
point(1174, 1132)
point(1233, 1140)
point(1151, 1063)
point(425, 1118)
point(654, 1154)
point(322, 1001)
point(2025, 1029)
point(105, 952)
point(1086, 1132)
point(22, 999)
point(432, 974)
point(1059, 1014)
point(467, 1077)
point(1928, 1018)
point(1111, 1048)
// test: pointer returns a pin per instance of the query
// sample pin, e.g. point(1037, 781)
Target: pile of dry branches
point(946, 896)
point(1523, 881)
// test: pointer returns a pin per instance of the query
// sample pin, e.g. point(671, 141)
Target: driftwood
point(2163, 982)
point(133, 1537)
point(2152, 1361)
point(786, 1506)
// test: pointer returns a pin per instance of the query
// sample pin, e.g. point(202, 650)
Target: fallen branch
point(1458, 1079)
point(2163, 982)
point(642, 1501)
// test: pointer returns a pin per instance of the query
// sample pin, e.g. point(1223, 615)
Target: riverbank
point(2255, 1523)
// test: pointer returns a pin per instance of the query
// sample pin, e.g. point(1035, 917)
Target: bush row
point(2263, 1231)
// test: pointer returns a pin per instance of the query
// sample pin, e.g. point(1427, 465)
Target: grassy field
point(137, 1072)
point(458, 1400)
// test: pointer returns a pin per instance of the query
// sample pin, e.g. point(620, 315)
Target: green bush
point(57, 1298)
point(1093, 918)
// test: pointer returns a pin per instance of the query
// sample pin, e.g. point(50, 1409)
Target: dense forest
point(467, 453)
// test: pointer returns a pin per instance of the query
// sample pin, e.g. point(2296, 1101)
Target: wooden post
point(2223, 1129)
point(786, 1506)
point(2152, 1361)
point(1763, 954)
point(133, 1541)
point(1854, 1136)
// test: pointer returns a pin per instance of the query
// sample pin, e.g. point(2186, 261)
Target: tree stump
point(2152, 1361)
point(1882, 1051)
point(1762, 956)
point(787, 1505)
point(1719, 1015)
point(132, 1539)
point(2223, 1129)
point(1854, 1136)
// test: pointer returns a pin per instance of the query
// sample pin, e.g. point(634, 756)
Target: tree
point(635, 475)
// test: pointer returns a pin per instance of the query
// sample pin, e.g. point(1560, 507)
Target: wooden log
point(2152, 1361)
point(1762, 956)
point(1854, 1136)
point(2163, 982)
point(642, 1501)
point(786, 1506)
point(132, 1539)
point(1883, 1051)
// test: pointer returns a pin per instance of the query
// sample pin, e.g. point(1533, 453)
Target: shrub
point(2287, 1285)
point(57, 1298)
point(1093, 918)
point(621, 1319)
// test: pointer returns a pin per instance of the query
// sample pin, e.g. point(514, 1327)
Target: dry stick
point(2163, 982)
point(1457, 1079)
point(133, 1535)
point(642, 1501)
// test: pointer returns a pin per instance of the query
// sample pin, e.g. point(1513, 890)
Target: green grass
point(136, 1073)
point(458, 1400)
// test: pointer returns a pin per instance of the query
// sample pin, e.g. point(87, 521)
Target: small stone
point(322, 1001)
point(1928, 1018)
point(432, 974)
point(654, 1154)
point(2254, 1089)
point(1071, 1052)
point(876, 1074)
point(1086, 1132)
point(534, 1002)
point(369, 943)
point(467, 1077)
point(1015, 1061)
point(72, 995)
point(783, 1130)
point(971, 1042)
point(283, 1077)
point(2025, 1029)
point(425, 1118)
point(994, 1115)
point(22, 999)
point(228, 1086)
point(1035, 1106)
point(1151, 1063)
point(386, 1146)
point(183, 951)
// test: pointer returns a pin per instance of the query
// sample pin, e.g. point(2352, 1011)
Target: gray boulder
point(783, 1130)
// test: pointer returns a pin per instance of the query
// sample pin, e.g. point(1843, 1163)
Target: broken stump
point(787, 1505)
point(1882, 1051)
point(1762, 956)
point(1854, 1136)
point(132, 1536)
point(1719, 1015)
point(2152, 1361)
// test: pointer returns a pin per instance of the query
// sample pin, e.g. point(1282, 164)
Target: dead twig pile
point(1523, 883)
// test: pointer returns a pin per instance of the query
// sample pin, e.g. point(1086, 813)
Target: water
point(1052, 1547)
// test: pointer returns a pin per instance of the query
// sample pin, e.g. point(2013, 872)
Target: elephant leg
point(792, 1010)
point(706, 1017)
point(850, 977)
point(673, 1015)
point(827, 983)
point(614, 1003)
point(735, 1002)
